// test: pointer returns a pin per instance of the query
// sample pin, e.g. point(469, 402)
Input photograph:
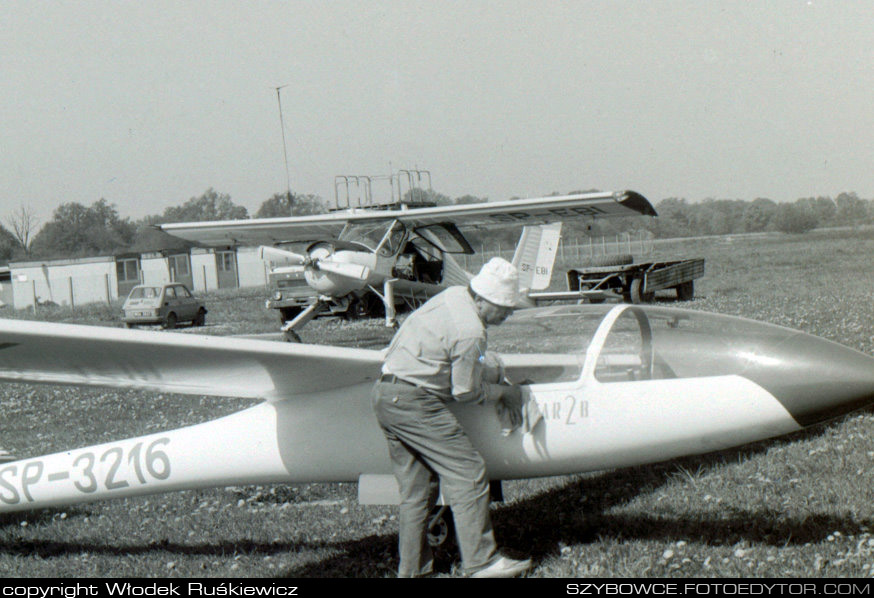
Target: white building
point(105, 279)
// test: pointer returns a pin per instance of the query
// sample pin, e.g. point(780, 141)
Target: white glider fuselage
point(639, 385)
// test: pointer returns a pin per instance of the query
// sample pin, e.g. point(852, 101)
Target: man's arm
point(468, 370)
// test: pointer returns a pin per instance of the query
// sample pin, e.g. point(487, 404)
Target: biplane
point(368, 260)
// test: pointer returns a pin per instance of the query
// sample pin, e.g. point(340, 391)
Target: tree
point(850, 209)
point(76, 230)
point(418, 194)
point(23, 223)
point(209, 206)
point(793, 218)
point(8, 245)
point(822, 207)
point(302, 205)
point(465, 199)
point(757, 216)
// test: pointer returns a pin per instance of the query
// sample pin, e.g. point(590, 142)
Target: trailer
point(629, 282)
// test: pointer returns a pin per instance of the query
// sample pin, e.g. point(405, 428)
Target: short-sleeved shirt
point(441, 347)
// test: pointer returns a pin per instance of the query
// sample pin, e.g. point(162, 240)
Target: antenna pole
point(284, 147)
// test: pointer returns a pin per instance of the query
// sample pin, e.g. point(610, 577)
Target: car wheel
point(169, 321)
point(200, 318)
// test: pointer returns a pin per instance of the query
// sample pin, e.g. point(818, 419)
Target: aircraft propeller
point(325, 264)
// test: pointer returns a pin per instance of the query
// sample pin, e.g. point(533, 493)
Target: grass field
point(796, 506)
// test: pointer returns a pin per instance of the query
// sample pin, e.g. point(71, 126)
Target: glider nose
point(816, 379)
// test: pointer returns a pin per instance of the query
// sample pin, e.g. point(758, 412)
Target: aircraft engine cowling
point(336, 272)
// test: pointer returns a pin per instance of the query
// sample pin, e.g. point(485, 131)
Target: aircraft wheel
point(439, 527)
point(291, 336)
point(169, 322)
point(128, 325)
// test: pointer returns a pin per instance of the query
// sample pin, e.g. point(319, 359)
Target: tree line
point(76, 230)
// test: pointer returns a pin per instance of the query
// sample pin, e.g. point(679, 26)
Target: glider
point(617, 386)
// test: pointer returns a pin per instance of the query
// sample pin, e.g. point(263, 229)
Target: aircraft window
point(627, 351)
point(707, 344)
point(425, 249)
point(391, 242)
point(369, 234)
point(445, 237)
point(547, 344)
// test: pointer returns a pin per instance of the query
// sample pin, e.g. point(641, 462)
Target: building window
point(179, 265)
point(128, 270)
point(226, 261)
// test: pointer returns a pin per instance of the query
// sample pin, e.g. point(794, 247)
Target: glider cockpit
point(602, 344)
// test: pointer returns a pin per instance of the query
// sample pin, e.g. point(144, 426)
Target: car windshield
point(144, 292)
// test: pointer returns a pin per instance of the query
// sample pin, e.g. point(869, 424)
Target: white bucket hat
point(497, 282)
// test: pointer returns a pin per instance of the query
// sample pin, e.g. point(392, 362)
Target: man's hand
point(493, 368)
point(511, 398)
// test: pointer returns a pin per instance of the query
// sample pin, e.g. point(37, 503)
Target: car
point(166, 305)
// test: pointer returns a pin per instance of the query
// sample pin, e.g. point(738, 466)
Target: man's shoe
point(503, 567)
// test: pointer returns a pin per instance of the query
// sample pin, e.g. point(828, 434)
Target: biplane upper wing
point(41, 352)
point(269, 231)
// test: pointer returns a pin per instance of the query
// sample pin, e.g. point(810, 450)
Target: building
point(5, 288)
point(105, 279)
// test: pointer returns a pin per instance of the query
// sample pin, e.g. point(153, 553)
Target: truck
point(289, 292)
point(619, 277)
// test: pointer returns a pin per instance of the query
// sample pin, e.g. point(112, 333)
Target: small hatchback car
point(165, 305)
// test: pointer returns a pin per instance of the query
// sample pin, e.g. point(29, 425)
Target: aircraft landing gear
point(440, 526)
point(290, 336)
point(289, 331)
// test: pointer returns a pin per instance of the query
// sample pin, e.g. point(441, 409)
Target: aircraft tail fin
point(535, 255)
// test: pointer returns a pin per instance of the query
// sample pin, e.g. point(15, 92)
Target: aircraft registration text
point(568, 410)
point(519, 215)
point(89, 471)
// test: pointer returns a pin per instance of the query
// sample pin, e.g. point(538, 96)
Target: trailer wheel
point(635, 294)
point(608, 260)
point(686, 290)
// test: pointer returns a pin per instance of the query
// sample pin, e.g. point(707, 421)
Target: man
point(438, 356)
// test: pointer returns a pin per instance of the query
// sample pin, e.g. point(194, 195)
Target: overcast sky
point(147, 104)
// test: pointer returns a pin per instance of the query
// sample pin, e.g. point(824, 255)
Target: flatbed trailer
point(633, 283)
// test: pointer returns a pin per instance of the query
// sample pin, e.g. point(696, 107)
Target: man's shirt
point(441, 347)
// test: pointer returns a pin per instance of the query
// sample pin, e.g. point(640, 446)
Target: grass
point(795, 506)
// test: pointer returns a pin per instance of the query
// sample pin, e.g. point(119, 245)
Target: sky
point(148, 104)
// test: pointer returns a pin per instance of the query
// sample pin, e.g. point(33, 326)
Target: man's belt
point(392, 379)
